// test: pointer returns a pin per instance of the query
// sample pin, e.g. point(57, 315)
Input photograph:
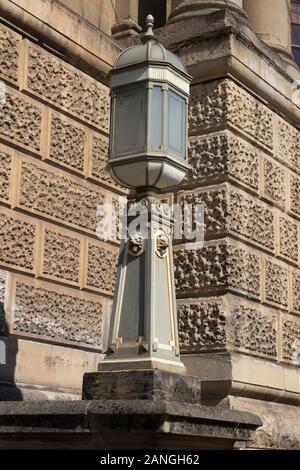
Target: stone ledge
point(109, 424)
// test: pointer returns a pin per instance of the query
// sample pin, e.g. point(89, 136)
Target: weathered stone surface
point(221, 155)
point(201, 325)
point(296, 291)
point(99, 160)
point(67, 87)
point(61, 256)
point(16, 241)
point(288, 238)
point(60, 197)
point(288, 144)
point(291, 340)
point(5, 172)
point(9, 53)
point(251, 219)
point(276, 283)
point(216, 104)
point(254, 331)
point(101, 269)
point(219, 266)
point(58, 316)
point(274, 182)
point(295, 194)
point(21, 120)
point(66, 143)
point(3, 324)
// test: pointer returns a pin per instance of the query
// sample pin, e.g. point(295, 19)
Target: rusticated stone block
point(9, 53)
point(58, 316)
point(221, 103)
point(276, 283)
point(99, 158)
point(254, 331)
point(220, 156)
point(66, 143)
point(21, 120)
point(60, 197)
point(215, 206)
point(201, 325)
point(101, 268)
point(61, 256)
point(295, 195)
point(16, 242)
point(288, 238)
point(251, 219)
point(274, 182)
point(291, 340)
point(5, 172)
point(217, 267)
point(67, 87)
point(288, 144)
point(296, 291)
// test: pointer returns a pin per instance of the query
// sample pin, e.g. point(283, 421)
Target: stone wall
point(57, 278)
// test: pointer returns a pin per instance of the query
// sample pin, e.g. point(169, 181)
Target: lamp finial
point(149, 35)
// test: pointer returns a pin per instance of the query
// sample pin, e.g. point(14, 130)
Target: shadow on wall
point(8, 354)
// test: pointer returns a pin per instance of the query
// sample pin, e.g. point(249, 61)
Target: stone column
point(126, 24)
point(188, 8)
point(270, 20)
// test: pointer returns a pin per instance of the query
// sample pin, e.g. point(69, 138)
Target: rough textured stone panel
point(276, 283)
point(59, 196)
point(219, 103)
point(295, 195)
point(21, 120)
point(291, 341)
point(274, 182)
point(288, 238)
point(16, 242)
point(57, 316)
point(67, 87)
point(5, 171)
point(251, 219)
point(296, 291)
point(61, 256)
point(66, 143)
point(102, 264)
point(217, 266)
point(254, 331)
point(288, 144)
point(9, 53)
point(201, 325)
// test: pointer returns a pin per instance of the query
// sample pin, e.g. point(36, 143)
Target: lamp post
point(148, 152)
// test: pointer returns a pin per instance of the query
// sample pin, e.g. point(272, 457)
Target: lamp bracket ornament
point(162, 243)
point(135, 244)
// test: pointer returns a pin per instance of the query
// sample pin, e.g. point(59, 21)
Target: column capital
point(192, 8)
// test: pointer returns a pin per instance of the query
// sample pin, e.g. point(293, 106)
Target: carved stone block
point(219, 156)
point(9, 53)
point(101, 268)
point(61, 256)
point(17, 238)
point(67, 87)
point(220, 103)
point(288, 144)
point(288, 238)
point(296, 291)
point(291, 340)
point(56, 315)
point(274, 182)
point(21, 120)
point(60, 197)
point(295, 195)
point(276, 283)
point(254, 331)
point(5, 172)
point(201, 326)
point(99, 160)
point(66, 143)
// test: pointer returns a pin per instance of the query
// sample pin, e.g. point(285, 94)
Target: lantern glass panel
point(156, 118)
point(176, 123)
point(130, 121)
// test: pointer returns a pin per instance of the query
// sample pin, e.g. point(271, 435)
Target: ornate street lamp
point(148, 152)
